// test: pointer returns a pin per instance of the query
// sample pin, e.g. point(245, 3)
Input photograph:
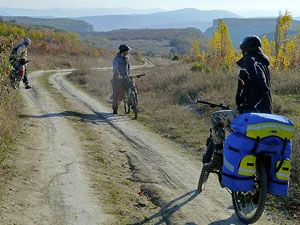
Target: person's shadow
point(170, 208)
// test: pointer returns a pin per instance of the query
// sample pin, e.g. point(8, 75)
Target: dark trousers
point(25, 77)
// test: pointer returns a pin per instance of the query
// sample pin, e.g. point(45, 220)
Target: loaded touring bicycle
point(256, 161)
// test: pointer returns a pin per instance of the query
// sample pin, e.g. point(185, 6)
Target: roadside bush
point(199, 67)
point(9, 102)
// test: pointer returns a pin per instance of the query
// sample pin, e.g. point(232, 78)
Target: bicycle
point(131, 96)
point(17, 73)
point(248, 205)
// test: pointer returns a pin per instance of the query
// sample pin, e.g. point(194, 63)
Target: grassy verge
point(63, 61)
point(109, 169)
point(10, 107)
point(166, 108)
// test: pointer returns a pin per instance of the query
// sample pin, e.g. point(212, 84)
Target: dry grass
point(10, 106)
point(63, 61)
point(167, 110)
point(43, 61)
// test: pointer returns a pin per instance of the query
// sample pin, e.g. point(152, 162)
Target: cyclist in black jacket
point(253, 94)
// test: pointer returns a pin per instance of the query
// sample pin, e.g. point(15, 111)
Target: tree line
point(283, 51)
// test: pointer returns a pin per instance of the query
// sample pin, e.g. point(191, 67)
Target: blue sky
point(232, 5)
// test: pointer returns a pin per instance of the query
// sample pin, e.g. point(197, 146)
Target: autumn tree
point(284, 23)
point(285, 46)
point(220, 46)
point(266, 45)
point(197, 54)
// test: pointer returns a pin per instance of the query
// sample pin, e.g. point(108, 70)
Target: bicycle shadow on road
point(170, 208)
point(95, 118)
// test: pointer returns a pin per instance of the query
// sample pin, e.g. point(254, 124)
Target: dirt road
point(52, 183)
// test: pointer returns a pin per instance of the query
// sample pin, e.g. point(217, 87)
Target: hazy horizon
point(244, 8)
point(118, 11)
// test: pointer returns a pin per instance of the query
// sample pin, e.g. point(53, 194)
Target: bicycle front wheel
point(203, 179)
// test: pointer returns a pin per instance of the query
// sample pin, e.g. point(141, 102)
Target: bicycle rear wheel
point(126, 106)
point(134, 105)
point(249, 206)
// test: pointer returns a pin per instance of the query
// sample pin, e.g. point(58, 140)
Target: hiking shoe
point(115, 112)
point(216, 163)
point(27, 86)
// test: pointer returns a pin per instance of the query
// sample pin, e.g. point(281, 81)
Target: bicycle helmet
point(27, 41)
point(124, 48)
point(249, 43)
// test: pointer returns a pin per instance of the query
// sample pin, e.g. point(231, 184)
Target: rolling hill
point(78, 26)
point(183, 18)
point(148, 41)
point(239, 28)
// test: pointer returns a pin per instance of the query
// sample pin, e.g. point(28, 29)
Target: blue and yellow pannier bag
point(256, 134)
point(260, 125)
point(279, 173)
point(239, 163)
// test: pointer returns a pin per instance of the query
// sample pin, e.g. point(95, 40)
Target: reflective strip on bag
point(248, 166)
point(285, 170)
point(228, 165)
point(263, 130)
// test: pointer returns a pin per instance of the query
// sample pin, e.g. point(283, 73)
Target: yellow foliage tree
point(286, 58)
point(266, 46)
point(221, 47)
point(284, 23)
point(197, 55)
point(285, 47)
point(195, 48)
point(215, 44)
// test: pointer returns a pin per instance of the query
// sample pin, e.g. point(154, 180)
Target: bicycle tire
point(134, 105)
point(262, 196)
point(208, 153)
point(203, 179)
point(126, 106)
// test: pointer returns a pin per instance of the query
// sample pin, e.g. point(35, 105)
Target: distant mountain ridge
point(148, 41)
point(201, 19)
point(65, 13)
point(77, 26)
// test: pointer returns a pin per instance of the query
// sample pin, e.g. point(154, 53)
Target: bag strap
point(256, 145)
point(282, 155)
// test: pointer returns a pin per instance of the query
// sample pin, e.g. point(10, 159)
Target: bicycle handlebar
point(213, 105)
point(137, 76)
point(210, 104)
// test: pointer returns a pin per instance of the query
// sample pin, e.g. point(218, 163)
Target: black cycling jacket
point(253, 94)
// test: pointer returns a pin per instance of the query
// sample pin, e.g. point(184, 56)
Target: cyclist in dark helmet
point(253, 93)
point(121, 70)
